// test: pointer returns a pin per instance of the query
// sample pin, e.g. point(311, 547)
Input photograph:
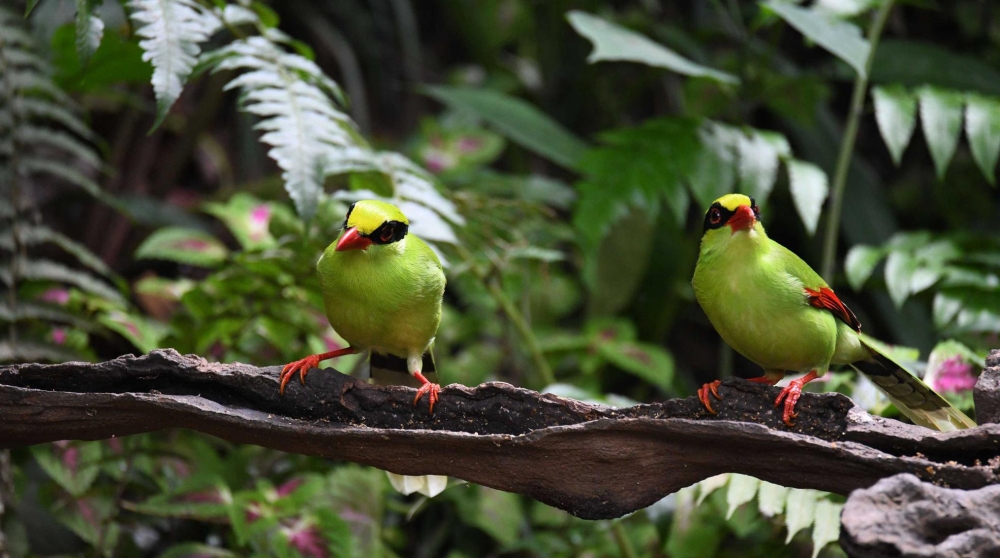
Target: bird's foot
point(301, 366)
point(305, 365)
point(703, 391)
point(431, 389)
point(790, 394)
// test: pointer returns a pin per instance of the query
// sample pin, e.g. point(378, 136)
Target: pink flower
point(289, 487)
point(438, 161)
point(954, 375)
point(331, 343)
point(208, 496)
point(307, 540)
point(58, 296)
point(253, 512)
point(58, 335)
point(260, 218)
point(71, 458)
point(466, 145)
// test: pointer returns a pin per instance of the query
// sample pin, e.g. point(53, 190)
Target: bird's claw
point(301, 366)
point(432, 391)
point(703, 391)
point(790, 395)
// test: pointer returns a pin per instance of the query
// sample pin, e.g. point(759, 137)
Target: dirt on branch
point(591, 460)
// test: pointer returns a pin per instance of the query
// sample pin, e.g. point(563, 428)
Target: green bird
point(772, 308)
point(382, 291)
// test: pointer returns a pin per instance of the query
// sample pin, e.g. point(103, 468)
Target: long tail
point(913, 397)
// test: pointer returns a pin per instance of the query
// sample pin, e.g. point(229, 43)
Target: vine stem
point(514, 315)
point(621, 539)
point(847, 144)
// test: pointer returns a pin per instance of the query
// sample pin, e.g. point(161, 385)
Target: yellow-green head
point(731, 217)
point(372, 222)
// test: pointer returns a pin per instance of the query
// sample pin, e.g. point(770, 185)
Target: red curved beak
point(743, 219)
point(352, 240)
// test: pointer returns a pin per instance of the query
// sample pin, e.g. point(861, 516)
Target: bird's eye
point(714, 216)
point(387, 234)
point(756, 211)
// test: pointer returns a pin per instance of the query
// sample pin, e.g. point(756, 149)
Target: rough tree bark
point(591, 460)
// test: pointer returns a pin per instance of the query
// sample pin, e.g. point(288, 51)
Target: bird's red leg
point(703, 391)
point(431, 389)
point(790, 394)
point(312, 361)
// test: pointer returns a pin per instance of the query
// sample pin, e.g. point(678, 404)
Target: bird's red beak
point(743, 219)
point(352, 240)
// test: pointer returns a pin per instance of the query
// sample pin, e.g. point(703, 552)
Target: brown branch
point(591, 460)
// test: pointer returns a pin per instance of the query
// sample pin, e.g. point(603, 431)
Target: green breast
point(760, 310)
point(382, 298)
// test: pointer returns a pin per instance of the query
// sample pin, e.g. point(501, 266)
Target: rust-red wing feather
point(825, 298)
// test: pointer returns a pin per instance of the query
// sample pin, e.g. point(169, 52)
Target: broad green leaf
point(896, 115)
point(899, 268)
point(714, 172)
point(941, 119)
point(649, 362)
point(759, 154)
point(248, 218)
point(809, 187)
point(800, 510)
point(826, 526)
point(860, 264)
point(613, 42)
point(117, 61)
point(187, 246)
point(742, 489)
point(771, 498)
point(519, 121)
point(89, 30)
point(841, 38)
point(710, 485)
point(982, 126)
point(145, 334)
point(199, 550)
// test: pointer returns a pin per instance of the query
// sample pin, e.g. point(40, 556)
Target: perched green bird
point(772, 308)
point(382, 291)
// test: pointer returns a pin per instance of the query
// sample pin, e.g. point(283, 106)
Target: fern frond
point(31, 235)
point(171, 32)
point(47, 270)
point(33, 311)
point(89, 30)
point(24, 351)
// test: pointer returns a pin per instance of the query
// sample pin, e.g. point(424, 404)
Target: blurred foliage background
point(172, 169)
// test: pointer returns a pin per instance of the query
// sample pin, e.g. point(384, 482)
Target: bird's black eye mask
point(389, 232)
point(717, 216)
point(348, 216)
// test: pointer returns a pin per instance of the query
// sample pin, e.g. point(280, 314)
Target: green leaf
point(759, 153)
point(916, 63)
point(896, 115)
point(28, 351)
point(710, 485)
point(771, 498)
point(118, 60)
point(649, 362)
point(841, 38)
point(714, 172)
point(826, 527)
point(89, 30)
point(800, 510)
point(145, 334)
point(809, 187)
point(899, 268)
point(742, 489)
point(519, 121)
point(197, 550)
point(29, 5)
point(74, 466)
point(613, 42)
point(860, 264)
point(187, 246)
point(982, 126)
point(641, 166)
point(941, 119)
point(248, 218)
point(499, 514)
